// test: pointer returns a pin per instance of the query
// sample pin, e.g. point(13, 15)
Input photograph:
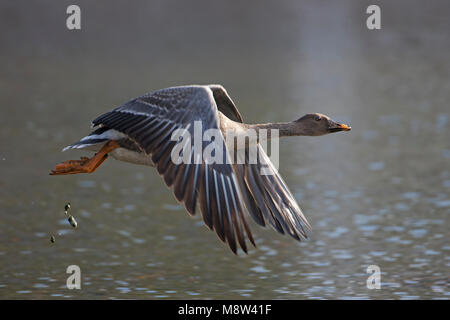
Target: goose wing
point(151, 120)
point(265, 192)
point(222, 191)
point(224, 102)
point(269, 197)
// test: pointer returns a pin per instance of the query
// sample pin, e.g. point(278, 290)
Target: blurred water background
point(378, 195)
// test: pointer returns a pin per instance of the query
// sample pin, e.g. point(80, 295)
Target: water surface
point(378, 195)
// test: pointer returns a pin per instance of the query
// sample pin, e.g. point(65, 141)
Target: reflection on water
point(378, 195)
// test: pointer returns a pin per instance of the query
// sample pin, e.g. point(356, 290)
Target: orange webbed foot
point(85, 165)
point(73, 167)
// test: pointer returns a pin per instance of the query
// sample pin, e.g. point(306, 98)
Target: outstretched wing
point(150, 121)
point(270, 198)
point(223, 191)
point(266, 195)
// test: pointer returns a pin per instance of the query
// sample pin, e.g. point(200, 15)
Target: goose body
point(225, 192)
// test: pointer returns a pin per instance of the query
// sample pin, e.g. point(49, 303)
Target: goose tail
point(96, 139)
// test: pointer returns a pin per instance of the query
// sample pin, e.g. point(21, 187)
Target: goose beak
point(336, 127)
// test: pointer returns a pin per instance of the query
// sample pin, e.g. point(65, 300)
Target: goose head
point(317, 124)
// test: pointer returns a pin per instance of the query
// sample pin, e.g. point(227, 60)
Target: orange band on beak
point(345, 127)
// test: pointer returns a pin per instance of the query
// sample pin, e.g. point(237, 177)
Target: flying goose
point(226, 192)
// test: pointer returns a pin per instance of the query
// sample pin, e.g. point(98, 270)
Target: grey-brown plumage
point(224, 193)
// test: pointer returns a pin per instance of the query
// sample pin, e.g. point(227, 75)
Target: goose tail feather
point(96, 139)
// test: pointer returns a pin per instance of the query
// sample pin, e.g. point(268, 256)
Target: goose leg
point(85, 165)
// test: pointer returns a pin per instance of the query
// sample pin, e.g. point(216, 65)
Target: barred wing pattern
point(223, 192)
point(270, 198)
